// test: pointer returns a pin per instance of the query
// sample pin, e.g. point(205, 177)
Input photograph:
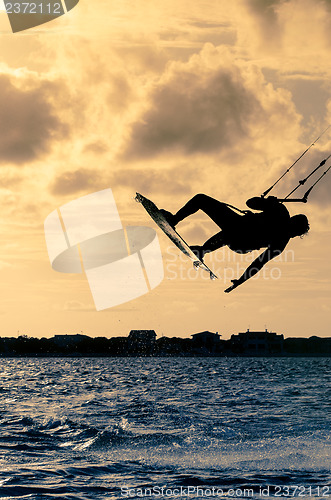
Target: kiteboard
point(172, 234)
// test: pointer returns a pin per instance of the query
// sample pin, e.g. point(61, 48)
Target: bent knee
point(201, 198)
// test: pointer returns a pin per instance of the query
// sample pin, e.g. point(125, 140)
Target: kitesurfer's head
point(299, 225)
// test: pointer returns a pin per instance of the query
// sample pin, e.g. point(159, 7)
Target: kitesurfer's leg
point(219, 212)
point(215, 242)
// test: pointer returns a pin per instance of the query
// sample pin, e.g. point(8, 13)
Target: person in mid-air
point(272, 228)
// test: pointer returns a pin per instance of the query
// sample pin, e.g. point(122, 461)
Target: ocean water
point(114, 428)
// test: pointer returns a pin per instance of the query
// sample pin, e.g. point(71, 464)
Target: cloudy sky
point(168, 99)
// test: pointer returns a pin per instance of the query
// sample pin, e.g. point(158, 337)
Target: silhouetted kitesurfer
point(272, 228)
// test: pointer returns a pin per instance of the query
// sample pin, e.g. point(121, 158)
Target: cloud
point(198, 232)
point(10, 177)
point(75, 181)
point(76, 305)
point(321, 149)
point(266, 10)
point(28, 123)
point(288, 36)
point(4, 265)
point(207, 105)
point(174, 180)
point(321, 193)
point(143, 57)
point(97, 147)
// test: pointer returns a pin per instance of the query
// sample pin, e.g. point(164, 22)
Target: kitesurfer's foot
point(169, 217)
point(197, 250)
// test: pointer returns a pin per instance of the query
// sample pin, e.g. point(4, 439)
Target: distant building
point(174, 346)
point(313, 346)
point(69, 339)
point(257, 343)
point(142, 336)
point(141, 341)
point(207, 340)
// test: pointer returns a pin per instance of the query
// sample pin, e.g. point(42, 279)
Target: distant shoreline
point(143, 343)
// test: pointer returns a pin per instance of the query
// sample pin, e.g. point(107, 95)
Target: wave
point(248, 422)
point(221, 446)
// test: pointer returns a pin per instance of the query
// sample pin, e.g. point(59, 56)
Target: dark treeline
point(82, 345)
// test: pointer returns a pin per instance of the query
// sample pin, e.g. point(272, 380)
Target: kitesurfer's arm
point(256, 266)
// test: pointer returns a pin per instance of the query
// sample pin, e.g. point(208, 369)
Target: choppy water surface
point(117, 428)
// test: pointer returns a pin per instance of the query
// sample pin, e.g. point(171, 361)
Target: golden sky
point(167, 98)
